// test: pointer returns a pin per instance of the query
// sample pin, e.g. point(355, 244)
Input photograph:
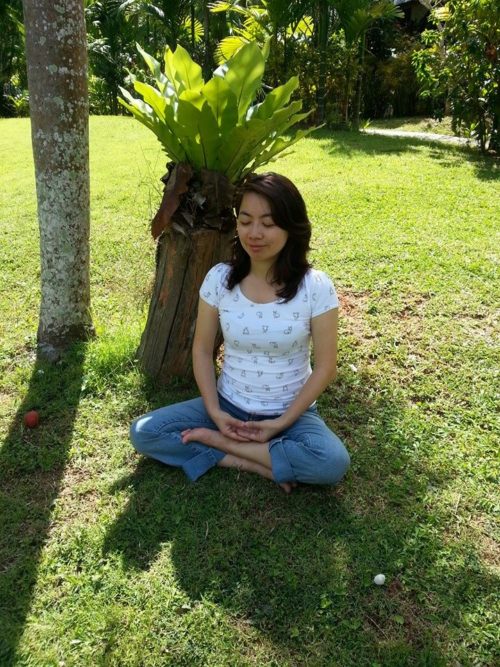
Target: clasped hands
point(251, 431)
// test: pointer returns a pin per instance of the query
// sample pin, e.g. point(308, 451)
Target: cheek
point(282, 239)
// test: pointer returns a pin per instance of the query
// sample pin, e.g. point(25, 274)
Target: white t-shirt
point(266, 345)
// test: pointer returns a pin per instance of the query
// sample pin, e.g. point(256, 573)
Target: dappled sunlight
point(109, 558)
point(350, 145)
point(32, 463)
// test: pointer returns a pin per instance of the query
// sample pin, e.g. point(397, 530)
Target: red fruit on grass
point(31, 419)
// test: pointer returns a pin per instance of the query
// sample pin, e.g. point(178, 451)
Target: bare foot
point(288, 487)
point(231, 461)
point(206, 436)
point(255, 455)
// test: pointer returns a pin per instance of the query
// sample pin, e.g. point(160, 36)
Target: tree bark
point(347, 89)
point(322, 47)
point(56, 50)
point(182, 263)
point(195, 225)
point(359, 83)
point(207, 58)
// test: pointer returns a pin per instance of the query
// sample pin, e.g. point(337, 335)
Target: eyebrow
point(266, 215)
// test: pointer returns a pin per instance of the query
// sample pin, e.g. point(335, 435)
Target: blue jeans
point(307, 451)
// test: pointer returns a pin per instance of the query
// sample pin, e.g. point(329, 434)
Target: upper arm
point(324, 338)
point(207, 324)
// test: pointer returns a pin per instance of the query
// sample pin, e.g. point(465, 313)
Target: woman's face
point(259, 235)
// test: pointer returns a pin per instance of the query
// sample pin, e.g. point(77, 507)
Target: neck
point(262, 270)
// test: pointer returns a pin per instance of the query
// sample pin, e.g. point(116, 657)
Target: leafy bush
point(17, 97)
point(460, 62)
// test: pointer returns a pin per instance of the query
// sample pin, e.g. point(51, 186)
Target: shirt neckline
point(256, 303)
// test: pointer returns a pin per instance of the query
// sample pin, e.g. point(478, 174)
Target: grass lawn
point(110, 559)
point(417, 124)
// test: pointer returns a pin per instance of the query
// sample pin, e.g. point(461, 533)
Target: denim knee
point(140, 436)
point(313, 460)
point(336, 465)
point(335, 462)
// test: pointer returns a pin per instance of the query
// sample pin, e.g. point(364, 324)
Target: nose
point(255, 230)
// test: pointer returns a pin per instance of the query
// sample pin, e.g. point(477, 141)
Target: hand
point(261, 431)
point(231, 427)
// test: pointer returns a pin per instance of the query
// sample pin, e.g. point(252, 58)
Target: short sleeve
point(213, 284)
point(323, 294)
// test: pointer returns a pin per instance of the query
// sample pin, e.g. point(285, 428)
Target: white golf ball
point(379, 579)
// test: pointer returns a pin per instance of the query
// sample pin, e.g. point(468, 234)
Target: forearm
point(204, 373)
point(317, 382)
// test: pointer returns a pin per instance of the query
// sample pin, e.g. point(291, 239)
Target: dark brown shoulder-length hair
point(289, 212)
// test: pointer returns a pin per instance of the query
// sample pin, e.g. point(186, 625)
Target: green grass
point(416, 124)
point(109, 559)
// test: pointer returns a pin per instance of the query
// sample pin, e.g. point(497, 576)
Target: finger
point(236, 423)
point(234, 434)
point(241, 436)
point(246, 435)
point(250, 427)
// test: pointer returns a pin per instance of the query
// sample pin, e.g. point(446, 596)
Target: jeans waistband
point(246, 416)
point(242, 414)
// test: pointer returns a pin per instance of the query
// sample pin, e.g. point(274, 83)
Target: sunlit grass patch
point(417, 124)
point(109, 559)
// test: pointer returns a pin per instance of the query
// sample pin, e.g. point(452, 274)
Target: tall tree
point(174, 19)
point(111, 39)
point(56, 50)
point(279, 21)
point(322, 36)
point(356, 18)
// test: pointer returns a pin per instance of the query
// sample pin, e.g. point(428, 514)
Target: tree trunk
point(207, 58)
point(56, 50)
point(182, 263)
point(195, 225)
point(322, 46)
point(347, 89)
point(359, 83)
point(192, 26)
point(494, 144)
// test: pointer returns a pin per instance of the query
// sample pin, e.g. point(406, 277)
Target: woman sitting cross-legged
point(260, 415)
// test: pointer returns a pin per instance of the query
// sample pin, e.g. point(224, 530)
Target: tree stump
point(196, 226)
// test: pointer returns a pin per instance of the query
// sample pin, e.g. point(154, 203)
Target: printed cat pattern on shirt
point(266, 345)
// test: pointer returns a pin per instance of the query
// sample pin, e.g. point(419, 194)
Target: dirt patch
point(353, 302)
point(414, 306)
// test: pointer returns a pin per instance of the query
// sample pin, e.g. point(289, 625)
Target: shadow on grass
point(351, 143)
point(31, 469)
point(300, 568)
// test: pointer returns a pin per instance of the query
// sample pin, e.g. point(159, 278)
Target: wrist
point(214, 412)
point(281, 423)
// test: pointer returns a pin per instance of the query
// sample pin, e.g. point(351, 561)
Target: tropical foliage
point(357, 17)
point(111, 38)
point(354, 58)
point(277, 20)
point(215, 124)
point(310, 39)
point(461, 64)
point(13, 80)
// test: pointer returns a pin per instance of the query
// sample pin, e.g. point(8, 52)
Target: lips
point(255, 247)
